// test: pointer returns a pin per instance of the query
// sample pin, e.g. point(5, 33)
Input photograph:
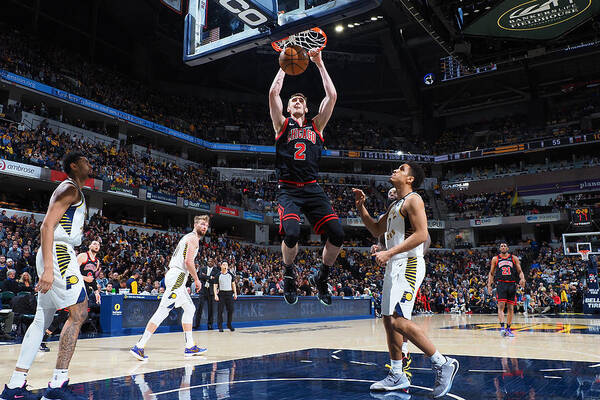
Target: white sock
point(145, 337)
point(396, 366)
point(405, 348)
point(17, 379)
point(189, 339)
point(59, 377)
point(437, 359)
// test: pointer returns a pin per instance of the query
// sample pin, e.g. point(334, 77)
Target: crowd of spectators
point(455, 280)
point(477, 173)
point(505, 203)
point(222, 121)
point(119, 165)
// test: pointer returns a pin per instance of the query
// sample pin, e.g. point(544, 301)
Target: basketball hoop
point(585, 254)
point(314, 38)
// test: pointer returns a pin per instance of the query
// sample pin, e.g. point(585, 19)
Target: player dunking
point(60, 285)
point(299, 142)
point(405, 228)
point(506, 268)
point(181, 266)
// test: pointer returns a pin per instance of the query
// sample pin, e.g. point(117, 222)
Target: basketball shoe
point(138, 352)
point(20, 393)
point(61, 393)
point(194, 351)
point(393, 381)
point(444, 376)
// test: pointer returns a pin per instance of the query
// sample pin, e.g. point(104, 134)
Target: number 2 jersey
point(298, 151)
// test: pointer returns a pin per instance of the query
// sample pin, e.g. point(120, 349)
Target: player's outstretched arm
point(275, 103)
point(377, 228)
point(326, 107)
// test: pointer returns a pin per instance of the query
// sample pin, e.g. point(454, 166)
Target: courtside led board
point(219, 28)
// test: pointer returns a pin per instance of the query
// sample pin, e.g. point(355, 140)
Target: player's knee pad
point(335, 232)
point(188, 313)
point(292, 233)
point(159, 315)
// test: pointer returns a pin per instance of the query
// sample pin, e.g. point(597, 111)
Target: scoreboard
point(581, 216)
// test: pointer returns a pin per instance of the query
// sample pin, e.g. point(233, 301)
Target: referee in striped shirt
point(225, 293)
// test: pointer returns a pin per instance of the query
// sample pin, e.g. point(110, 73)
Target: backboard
point(219, 28)
point(574, 242)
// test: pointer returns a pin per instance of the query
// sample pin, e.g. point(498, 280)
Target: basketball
point(293, 60)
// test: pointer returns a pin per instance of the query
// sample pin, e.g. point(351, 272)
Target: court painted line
point(453, 396)
point(595, 366)
point(555, 369)
point(487, 370)
point(337, 351)
point(419, 369)
point(305, 361)
point(552, 377)
point(334, 356)
point(362, 363)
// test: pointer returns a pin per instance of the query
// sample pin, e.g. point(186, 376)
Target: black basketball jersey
point(298, 151)
point(506, 270)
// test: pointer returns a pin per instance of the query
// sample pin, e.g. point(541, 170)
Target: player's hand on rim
point(315, 56)
point(46, 280)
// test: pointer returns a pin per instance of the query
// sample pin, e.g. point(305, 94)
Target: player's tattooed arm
point(275, 103)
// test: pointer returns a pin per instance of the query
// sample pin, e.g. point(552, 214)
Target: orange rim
point(278, 48)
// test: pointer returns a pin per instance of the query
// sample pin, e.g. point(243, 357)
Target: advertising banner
point(165, 198)
point(533, 19)
point(15, 168)
point(196, 205)
point(536, 219)
point(122, 190)
point(591, 302)
point(559, 187)
point(227, 211)
point(436, 224)
point(491, 221)
point(256, 217)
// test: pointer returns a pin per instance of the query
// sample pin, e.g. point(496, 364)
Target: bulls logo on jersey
point(298, 151)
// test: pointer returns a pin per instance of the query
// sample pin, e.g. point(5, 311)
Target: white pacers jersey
point(399, 228)
point(181, 251)
point(70, 227)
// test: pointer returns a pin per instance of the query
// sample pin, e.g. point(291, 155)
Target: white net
point(313, 38)
point(585, 254)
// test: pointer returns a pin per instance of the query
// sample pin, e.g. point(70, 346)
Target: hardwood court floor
point(569, 338)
